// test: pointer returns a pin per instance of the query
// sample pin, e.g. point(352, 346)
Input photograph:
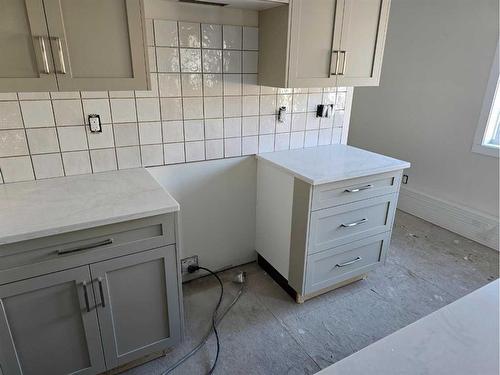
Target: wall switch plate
point(186, 262)
point(95, 123)
point(324, 110)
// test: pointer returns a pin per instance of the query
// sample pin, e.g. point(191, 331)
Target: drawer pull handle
point(355, 190)
point(109, 241)
point(86, 296)
point(101, 291)
point(355, 223)
point(348, 263)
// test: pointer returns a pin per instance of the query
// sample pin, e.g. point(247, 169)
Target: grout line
point(26, 136)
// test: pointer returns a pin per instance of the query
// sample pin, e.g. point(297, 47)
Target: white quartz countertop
point(46, 207)
point(325, 164)
point(460, 339)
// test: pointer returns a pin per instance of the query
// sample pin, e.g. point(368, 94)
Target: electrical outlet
point(186, 262)
point(404, 180)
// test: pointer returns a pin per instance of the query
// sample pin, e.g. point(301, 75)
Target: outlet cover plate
point(190, 261)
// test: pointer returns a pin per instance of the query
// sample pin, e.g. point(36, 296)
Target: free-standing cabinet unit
point(68, 45)
point(323, 43)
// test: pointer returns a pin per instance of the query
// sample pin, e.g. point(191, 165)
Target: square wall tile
point(341, 98)
point(13, 143)
point(8, 96)
point(313, 101)
point(266, 90)
point(232, 37)
point(250, 38)
point(232, 147)
point(311, 138)
point(195, 151)
point(171, 108)
point(232, 127)
point(189, 34)
point(212, 84)
point(250, 86)
point(153, 92)
point(121, 94)
point(72, 138)
point(193, 130)
point(123, 110)
point(128, 157)
point(214, 128)
point(212, 61)
point(250, 126)
point(266, 143)
point(10, 115)
point(148, 109)
point(33, 95)
point(211, 36)
point(267, 124)
point(168, 60)
point(174, 153)
point(268, 104)
point(213, 106)
point(126, 134)
point(336, 136)
point(16, 169)
point(103, 160)
point(173, 131)
point(76, 163)
point(232, 106)
point(231, 62)
point(68, 112)
point(232, 84)
point(43, 140)
point(152, 155)
point(312, 122)
point(153, 67)
point(169, 85)
point(214, 149)
point(190, 60)
point(284, 126)
point(250, 105)
point(192, 108)
point(299, 121)
point(338, 119)
point(192, 85)
point(94, 94)
point(297, 140)
point(37, 113)
point(250, 62)
point(282, 141)
point(150, 133)
point(325, 136)
point(166, 33)
point(299, 103)
point(250, 145)
point(104, 139)
point(47, 166)
point(99, 107)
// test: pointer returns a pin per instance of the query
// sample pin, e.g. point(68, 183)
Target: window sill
point(485, 150)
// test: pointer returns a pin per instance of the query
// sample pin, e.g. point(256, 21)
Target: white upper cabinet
point(323, 43)
point(70, 45)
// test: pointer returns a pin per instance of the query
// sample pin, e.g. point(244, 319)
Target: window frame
point(489, 96)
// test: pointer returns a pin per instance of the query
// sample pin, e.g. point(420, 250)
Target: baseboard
point(477, 226)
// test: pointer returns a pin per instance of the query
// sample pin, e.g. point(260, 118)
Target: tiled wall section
point(204, 104)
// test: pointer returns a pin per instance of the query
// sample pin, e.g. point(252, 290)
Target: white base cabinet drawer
point(339, 225)
point(343, 192)
point(332, 266)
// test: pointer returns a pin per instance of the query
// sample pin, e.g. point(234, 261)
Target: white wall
point(436, 66)
point(217, 200)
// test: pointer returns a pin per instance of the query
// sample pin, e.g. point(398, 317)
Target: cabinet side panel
point(273, 46)
point(274, 215)
point(300, 224)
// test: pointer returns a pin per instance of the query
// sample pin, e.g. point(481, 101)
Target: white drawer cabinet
point(319, 227)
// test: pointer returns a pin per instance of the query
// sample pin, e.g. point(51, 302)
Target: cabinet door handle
point(45, 59)
point(86, 296)
point(109, 241)
point(334, 71)
point(61, 55)
point(344, 64)
point(358, 189)
point(355, 223)
point(348, 263)
point(101, 291)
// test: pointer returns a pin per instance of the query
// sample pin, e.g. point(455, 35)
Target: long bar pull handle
point(335, 70)
point(101, 291)
point(348, 263)
point(86, 296)
point(45, 59)
point(109, 241)
point(355, 223)
point(61, 55)
point(344, 64)
point(358, 189)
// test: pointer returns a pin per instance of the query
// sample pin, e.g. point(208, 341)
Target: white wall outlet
point(95, 123)
point(186, 262)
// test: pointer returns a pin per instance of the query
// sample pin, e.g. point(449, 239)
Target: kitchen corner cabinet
point(69, 45)
point(323, 43)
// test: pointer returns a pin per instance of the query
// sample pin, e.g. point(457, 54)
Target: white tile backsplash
point(204, 103)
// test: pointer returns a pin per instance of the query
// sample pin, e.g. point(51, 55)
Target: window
point(487, 139)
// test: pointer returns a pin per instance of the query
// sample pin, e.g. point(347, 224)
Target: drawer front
point(330, 195)
point(332, 266)
point(85, 246)
point(339, 225)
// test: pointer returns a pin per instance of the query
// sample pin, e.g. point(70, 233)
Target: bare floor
point(267, 333)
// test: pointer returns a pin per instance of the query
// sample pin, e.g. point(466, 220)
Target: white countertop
point(459, 339)
point(46, 207)
point(325, 164)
